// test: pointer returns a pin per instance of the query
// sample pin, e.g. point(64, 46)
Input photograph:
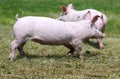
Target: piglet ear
point(64, 8)
point(70, 6)
point(87, 16)
point(95, 18)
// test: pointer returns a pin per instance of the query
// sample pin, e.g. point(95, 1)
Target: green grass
point(50, 62)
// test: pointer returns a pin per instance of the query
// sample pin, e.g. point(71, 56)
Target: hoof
point(22, 55)
point(10, 59)
point(69, 54)
point(81, 57)
point(102, 47)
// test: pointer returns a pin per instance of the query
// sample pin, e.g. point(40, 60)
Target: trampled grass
point(50, 62)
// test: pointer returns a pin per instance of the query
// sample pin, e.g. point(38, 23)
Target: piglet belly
point(53, 38)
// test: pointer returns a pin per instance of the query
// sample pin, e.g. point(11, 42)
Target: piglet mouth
point(102, 36)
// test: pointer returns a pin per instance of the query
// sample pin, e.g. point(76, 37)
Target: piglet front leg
point(78, 48)
point(101, 45)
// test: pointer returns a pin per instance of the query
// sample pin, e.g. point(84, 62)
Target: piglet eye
point(65, 13)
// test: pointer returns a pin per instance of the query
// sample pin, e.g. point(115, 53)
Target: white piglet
point(70, 14)
point(48, 31)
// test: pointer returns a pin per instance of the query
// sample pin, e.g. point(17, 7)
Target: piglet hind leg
point(71, 50)
point(20, 49)
point(78, 48)
point(16, 44)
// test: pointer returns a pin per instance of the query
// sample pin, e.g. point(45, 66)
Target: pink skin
point(48, 31)
point(70, 14)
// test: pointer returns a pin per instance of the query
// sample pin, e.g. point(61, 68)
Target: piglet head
point(95, 31)
point(63, 15)
point(65, 12)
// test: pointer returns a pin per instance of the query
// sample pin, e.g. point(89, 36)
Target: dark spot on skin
point(78, 17)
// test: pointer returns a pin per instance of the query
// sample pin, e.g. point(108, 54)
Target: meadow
point(51, 62)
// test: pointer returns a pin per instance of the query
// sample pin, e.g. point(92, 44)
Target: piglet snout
point(102, 35)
